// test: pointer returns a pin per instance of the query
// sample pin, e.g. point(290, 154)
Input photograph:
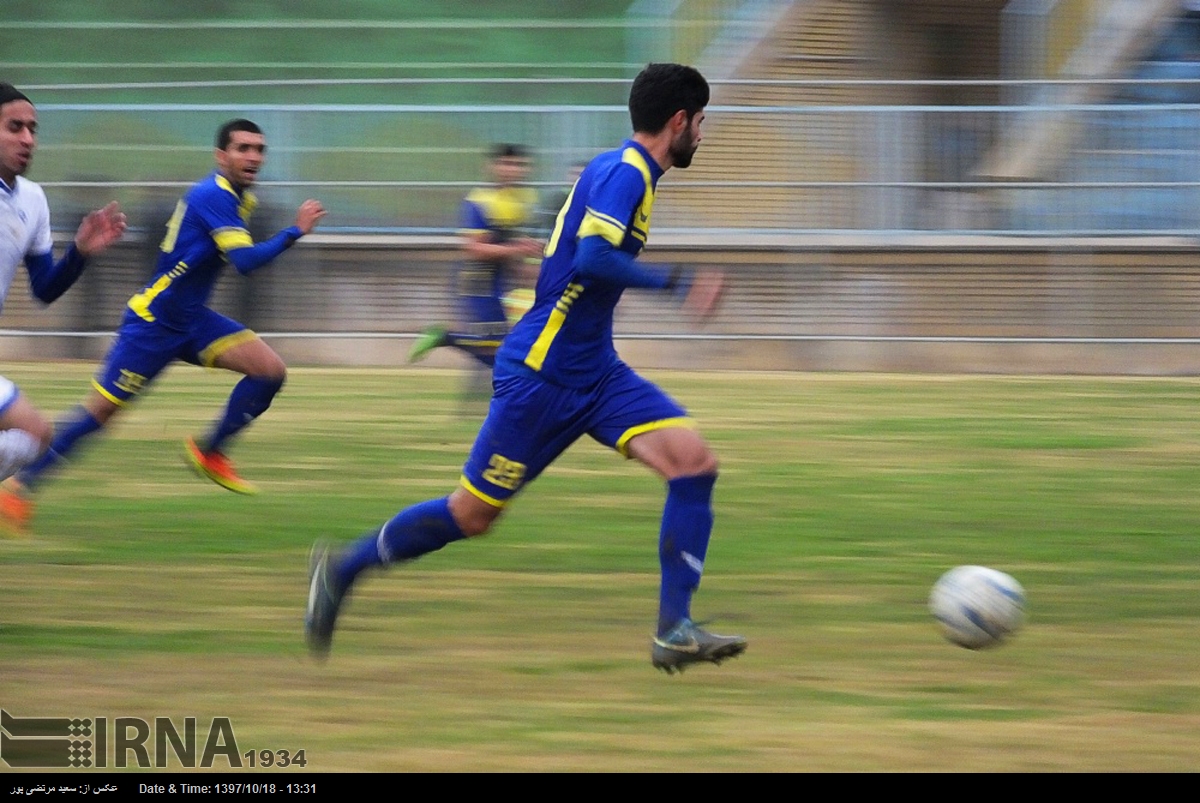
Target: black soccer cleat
point(687, 643)
point(325, 595)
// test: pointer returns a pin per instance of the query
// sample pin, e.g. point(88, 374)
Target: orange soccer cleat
point(16, 508)
point(217, 467)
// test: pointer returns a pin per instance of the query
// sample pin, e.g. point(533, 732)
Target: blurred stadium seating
point(827, 115)
point(855, 153)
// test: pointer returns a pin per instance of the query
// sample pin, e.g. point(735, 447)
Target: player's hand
point(528, 247)
point(308, 214)
point(100, 229)
point(708, 286)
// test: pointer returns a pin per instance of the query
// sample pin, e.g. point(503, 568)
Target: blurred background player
point(554, 200)
point(499, 259)
point(168, 320)
point(25, 237)
point(558, 377)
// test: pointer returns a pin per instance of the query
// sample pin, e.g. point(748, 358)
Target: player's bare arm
point(480, 246)
point(704, 294)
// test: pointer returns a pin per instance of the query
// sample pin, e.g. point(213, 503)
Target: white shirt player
point(24, 228)
point(25, 238)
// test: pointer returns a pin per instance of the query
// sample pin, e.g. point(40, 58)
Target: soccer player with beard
point(558, 378)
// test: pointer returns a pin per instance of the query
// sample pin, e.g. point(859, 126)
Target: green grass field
point(145, 592)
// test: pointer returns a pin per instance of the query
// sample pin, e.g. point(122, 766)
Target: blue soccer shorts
point(531, 422)
point(484, 319)
point(483, 311)
point(144, 348)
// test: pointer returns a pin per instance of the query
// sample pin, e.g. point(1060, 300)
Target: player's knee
point(475, 527)
point(42, 431)
point(101, 408)
point(479, 520)
point(264, 364)
point(275, 372)
point(698, 463)
point(472, 515)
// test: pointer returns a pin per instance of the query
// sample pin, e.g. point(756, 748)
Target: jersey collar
point(656, 170)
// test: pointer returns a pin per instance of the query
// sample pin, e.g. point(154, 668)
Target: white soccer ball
point(977, 607)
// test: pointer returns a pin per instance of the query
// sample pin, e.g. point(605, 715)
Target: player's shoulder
point(213, 188)
point(603, 163)
point(627, 161)
point(479, 194)
point(30, 192)
point(30, 199)
point(619, 173)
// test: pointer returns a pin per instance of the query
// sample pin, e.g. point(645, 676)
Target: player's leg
point(128, 369)
point(264, 373)
point(432, 337)
point(415, 531)
point(520, 437)
point(138, 355)
point(645, 424)
point(24, 433)
point(689, 466)
point(486, 327)
point(479, 337)
point(70, 433)
point(223, 343)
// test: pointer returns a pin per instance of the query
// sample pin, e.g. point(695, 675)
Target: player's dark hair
point(9, 93)
point(660, 90)
point(225, 132)
point(506, 150)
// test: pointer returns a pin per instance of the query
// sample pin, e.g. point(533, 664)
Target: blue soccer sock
point(481, 347)
point(250, 398)
point(73, 428)
point(415, 531)
point(687, 523)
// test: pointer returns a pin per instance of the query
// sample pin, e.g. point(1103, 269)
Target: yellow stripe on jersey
point(224, 184)
point(229, 239)
point(491, 500)
point(140, 302)
point(666, 423)
point(596, 224)
point(215, 349)
point(641, 221)
point(247, 203)
point(552, 243)
point(536, 357)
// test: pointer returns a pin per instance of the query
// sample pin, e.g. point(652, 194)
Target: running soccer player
point(495, 252)
point(25, 237)
point(168, 320)
point(558, 377)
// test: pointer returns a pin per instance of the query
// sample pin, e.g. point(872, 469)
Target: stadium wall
point(826, 303)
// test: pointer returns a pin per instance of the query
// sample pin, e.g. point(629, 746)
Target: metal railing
point(1118, 166)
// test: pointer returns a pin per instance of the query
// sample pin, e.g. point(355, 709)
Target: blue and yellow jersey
point(209, 225)
point(501, 213)
point(567, 338)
